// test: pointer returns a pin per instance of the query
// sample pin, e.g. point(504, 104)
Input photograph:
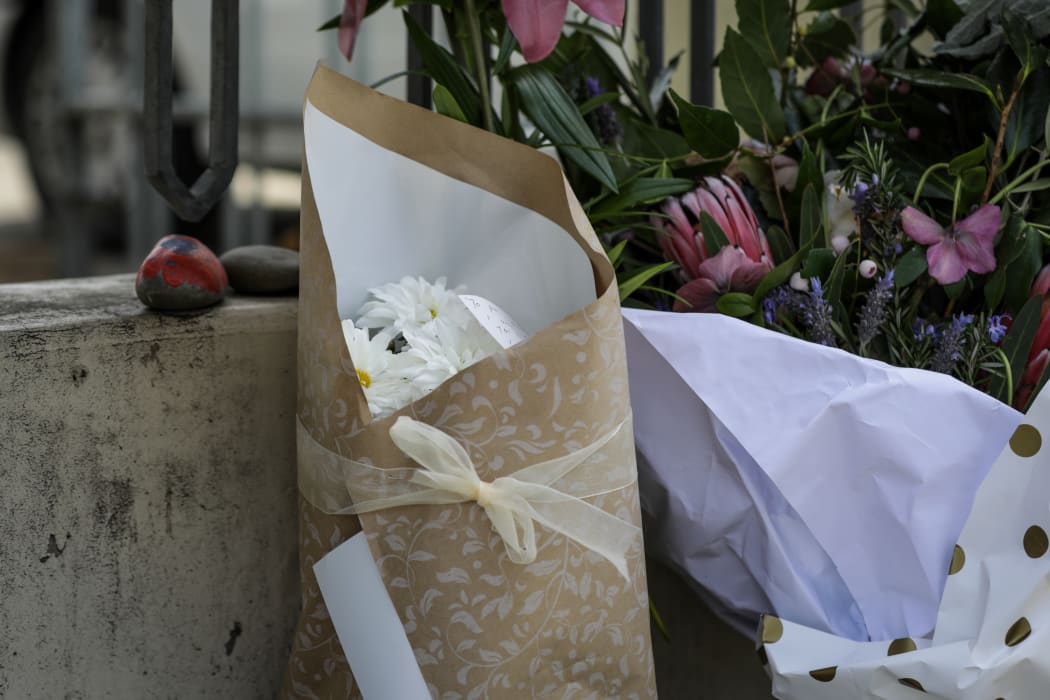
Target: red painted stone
point(179, 274)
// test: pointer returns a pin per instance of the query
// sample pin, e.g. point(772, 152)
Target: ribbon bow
point(514, 504)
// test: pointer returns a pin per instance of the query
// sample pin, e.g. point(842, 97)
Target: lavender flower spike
point(951, 344)
point(816, 313)
point(997, 328)
point(876, 308)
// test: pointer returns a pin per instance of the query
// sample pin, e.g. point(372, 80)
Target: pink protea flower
point(537, 23)
point(349, 24)
point(730, 270)
point(1040, 352)
point(966, 245)
point(723, 200)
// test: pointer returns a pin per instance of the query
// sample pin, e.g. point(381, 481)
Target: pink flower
point(1042, 282)
point(537, 23)
point(722, 199)
point(730, 270)
point(349, 24)
point(966, 245)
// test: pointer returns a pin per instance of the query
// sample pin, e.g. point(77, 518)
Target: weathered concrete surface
point(147, 492)
point(148, 524)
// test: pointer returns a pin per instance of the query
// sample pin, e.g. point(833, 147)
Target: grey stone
point(262, 269)
point(157, 294)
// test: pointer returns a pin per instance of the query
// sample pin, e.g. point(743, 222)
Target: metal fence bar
point(419, 87)
point(651, 30)
point(193, 202)
point(702, 51)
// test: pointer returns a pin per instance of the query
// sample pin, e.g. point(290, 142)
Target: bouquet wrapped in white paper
point(788, 478)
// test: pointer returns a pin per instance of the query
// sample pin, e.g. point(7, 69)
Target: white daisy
point(384, 376)
point(412, 303)
point(441, 350)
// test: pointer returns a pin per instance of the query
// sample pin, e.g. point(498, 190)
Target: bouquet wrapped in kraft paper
point(531, 582)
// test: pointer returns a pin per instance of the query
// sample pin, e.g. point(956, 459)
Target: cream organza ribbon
point(548, 493)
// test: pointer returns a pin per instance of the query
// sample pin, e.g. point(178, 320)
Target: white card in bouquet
point(816, 449)
point(367, 624)
point(408, 219)
point(504, 329)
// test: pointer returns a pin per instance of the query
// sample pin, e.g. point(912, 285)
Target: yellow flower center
point(364, 378)
point(433, 313)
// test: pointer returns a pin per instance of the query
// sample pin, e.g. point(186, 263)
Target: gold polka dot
point(901, 646)
point(958, 561)
point(1018, 632)
point(912, 683)
point(1036, 542)
point(824, 675)
point(1026, 440)
point(772, 629)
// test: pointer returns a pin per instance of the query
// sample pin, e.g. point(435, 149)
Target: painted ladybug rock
point(180, 274)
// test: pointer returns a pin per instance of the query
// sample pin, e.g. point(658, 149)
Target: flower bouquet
point(470, 519)
point(873, 253)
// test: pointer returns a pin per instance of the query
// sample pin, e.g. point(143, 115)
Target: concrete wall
point(147, 486)
point(147, 491)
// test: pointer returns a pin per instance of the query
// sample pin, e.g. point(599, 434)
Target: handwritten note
point(495, 320)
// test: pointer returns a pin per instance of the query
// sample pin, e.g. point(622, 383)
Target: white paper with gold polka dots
point(992, 640)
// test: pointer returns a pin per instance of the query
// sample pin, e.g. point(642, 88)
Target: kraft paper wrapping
point(567, 625)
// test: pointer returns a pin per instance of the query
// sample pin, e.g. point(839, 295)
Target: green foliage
point(748, 90)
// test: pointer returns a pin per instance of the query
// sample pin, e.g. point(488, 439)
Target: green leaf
point(910, 267)
point(1019, 35)
point(810, 220)
point(445, 70)
point(780, 245)
point(827, 35)
point(942, 15)
point(641, 190)
point(596, 102)
point(1033, 186)
point(748, 90)
point(616, 251)
point(710, 132)
point(1028, 115)
point(819, 263)
point(736, 304)
point(445, 104)
point(631, 285)
point(780, 274)
point(995, 288)
point(1046, 130)
point(766, 24)
point(507, 45)
point(1017, 344)
point(819, 5)
point(928, 77)
point(714, 237)
point(955, 290)
point(967, 160)
point(551, 109)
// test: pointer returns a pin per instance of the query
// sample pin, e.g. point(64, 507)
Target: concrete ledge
point(148, 547)
point(148, 543)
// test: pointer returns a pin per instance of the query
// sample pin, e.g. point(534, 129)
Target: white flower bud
point(799, 283)
point(839, 244)
point(868, 268)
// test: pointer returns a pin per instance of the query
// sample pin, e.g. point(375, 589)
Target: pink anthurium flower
point(349, 24)
point(537, 23)
point(966, 245)
point(729, 270)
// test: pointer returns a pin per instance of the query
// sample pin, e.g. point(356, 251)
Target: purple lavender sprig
point(816, 314)
point(608, 126)
point(875, 310)
point(997, 327)
point(950, 344)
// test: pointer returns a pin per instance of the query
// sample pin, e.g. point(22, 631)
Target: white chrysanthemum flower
point(441, 350)
point(842, 222)
point(385, 377)
point(412, 303)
